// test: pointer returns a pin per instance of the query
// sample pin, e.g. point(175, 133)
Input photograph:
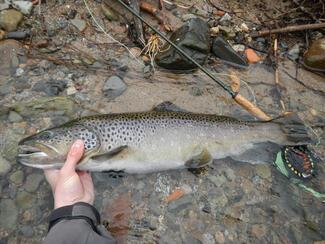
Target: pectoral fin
point(199, 160)
point(110, 154)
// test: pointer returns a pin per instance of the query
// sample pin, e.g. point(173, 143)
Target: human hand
point(69, 186)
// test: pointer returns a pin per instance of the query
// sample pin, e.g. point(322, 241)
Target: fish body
point(154, 141)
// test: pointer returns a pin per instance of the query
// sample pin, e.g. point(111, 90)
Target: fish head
point(49, 148)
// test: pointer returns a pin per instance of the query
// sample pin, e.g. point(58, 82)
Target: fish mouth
point(30, 151)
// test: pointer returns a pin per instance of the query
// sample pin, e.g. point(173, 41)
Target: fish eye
point(46, 135)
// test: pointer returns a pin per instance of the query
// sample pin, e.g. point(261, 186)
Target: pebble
point(17, 177)
point(258, 231)
point(71, 90)
point(32, 182)
point(180, 204)
point(51, 88)
point(8, 214)
point(114, 87)
point(244, 27)
point(294, 52)
point(79, 24)
point(24, 199)
point(10, 53)
point(24, 7)
point(207, 238)
point(19, 72)
point(5, 166)
point(252, 56)
point(219, 236)
point(14, 117)
point(215, 30)
point(239, 47)
point(225, 18)
point(228, 31)
point(9, 19)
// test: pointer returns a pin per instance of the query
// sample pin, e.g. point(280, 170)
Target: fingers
point(74, 155)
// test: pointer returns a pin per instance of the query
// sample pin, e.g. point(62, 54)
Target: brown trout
point(155, 141)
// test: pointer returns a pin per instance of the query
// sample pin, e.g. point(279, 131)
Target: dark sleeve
point(77, 223)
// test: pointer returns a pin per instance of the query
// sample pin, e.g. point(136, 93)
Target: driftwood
point(289, 29)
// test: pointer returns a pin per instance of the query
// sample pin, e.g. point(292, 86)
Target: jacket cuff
point(80, 210)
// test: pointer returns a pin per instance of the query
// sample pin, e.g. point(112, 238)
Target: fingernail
point(76, 147)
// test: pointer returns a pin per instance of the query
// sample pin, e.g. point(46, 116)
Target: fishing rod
point(237, 97)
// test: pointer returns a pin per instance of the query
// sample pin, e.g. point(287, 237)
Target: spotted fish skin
point(155, 141)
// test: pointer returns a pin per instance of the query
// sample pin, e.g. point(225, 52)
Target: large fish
point(155, 141)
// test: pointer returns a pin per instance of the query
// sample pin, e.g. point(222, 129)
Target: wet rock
point(5, 89)
point(314, 58)
point(14, 117)
point(217, 180)
point(263, 171)
point(25, 200)
point(4, 6)
point(187, 17)
point(8, 214)
point(226, 53)
point(180, 204)
point(10, 52)
point(196, 91)
point(32, 182)
point(9, 19)
point(46, 104)
point(5, 166)
point(27, 230)
point(17, 177)
point(114, 87)
point(79, 24)
point(109, 13)
point(193, 38)
point(24, 7)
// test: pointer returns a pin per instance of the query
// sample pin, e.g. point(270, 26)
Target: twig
point(147, 7)
point(276, 73)
point(289, 29)
point(108, 35)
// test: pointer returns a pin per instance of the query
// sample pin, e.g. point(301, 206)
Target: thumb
point(74, 155)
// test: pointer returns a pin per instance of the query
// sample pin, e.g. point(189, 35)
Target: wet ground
point(231, 202)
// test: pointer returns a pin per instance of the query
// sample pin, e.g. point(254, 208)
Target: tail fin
point(294, 130)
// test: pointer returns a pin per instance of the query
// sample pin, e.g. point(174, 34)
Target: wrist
point(79, 210)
